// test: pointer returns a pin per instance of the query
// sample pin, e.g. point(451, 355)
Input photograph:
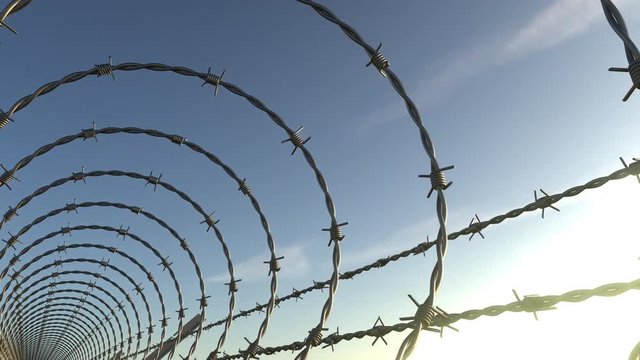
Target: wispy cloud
point(254, 269)
point(562, 21)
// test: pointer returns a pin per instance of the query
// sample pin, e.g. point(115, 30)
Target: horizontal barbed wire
point(528, 304)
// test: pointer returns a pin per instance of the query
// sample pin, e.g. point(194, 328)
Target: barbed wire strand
point(13, 7)
point(528, 304)
point(335, 230)
point(632, 169)
point(618, 25)
point(438, 181)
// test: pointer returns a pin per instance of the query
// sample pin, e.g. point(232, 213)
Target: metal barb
point(531, 304)
point(177, 139)
point(475, 227)
point(296, 140)
point(376, 324)
point(203, 301)
point(79, 176)
point(12, 241)
point(253, 349)
point(90, 133)
point(244, 187)
point(335, 232)
point(10, 214)
point(274, 265)
point(331, 338)
point(123, 232)
point(379, 61)
point(4, 119)
point(627, 167)
point(214, 80)
point(233, 285)
point(106, 69)
point(615, 19)
point(165, 263)
point(66, 230)
point(3, 23)
point(6, 177)
point(72, 206)
point(210, 221)
point(545, 201)
point(153, 180)
point(438, 180)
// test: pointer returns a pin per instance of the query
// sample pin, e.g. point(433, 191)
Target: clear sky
point(516, 95)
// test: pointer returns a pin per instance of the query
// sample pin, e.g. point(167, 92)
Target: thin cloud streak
point(560, 22)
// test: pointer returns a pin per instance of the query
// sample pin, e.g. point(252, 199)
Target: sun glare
point(598, 246)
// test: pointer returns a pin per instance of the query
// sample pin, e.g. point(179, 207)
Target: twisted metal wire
point(101, 247)
point(98, 70)
point(138, 211)
point(94, 275)
point(633, 169)
point(60, 263)
point(13, 7)
point(136, 238)
point(618, 25)
point(104, 320)
point(210, 156)
point(436, 171)
point(529, 304)
point(183, 242)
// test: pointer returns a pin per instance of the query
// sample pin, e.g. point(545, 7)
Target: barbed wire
point(335, 228)
point(618, 25)
point(437, 176)
point(13, 7)
point(427, 316)
point(528, 304)
point(632, 169)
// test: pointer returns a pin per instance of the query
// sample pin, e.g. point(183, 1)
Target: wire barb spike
point(379, 61)
point(335, 232)
point(6, 177)
point(475, 227)
point(214, 80)
point(438, 180)
point(544, 202)
point(296, 139)
point(106, 69)
point(90, 133)
point(635, 161)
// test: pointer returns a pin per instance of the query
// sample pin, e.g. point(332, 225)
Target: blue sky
point(516, 96)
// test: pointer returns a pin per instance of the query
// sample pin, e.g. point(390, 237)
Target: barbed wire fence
point(44, 316)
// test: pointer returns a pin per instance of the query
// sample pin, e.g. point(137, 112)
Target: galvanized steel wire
point(54, 320)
